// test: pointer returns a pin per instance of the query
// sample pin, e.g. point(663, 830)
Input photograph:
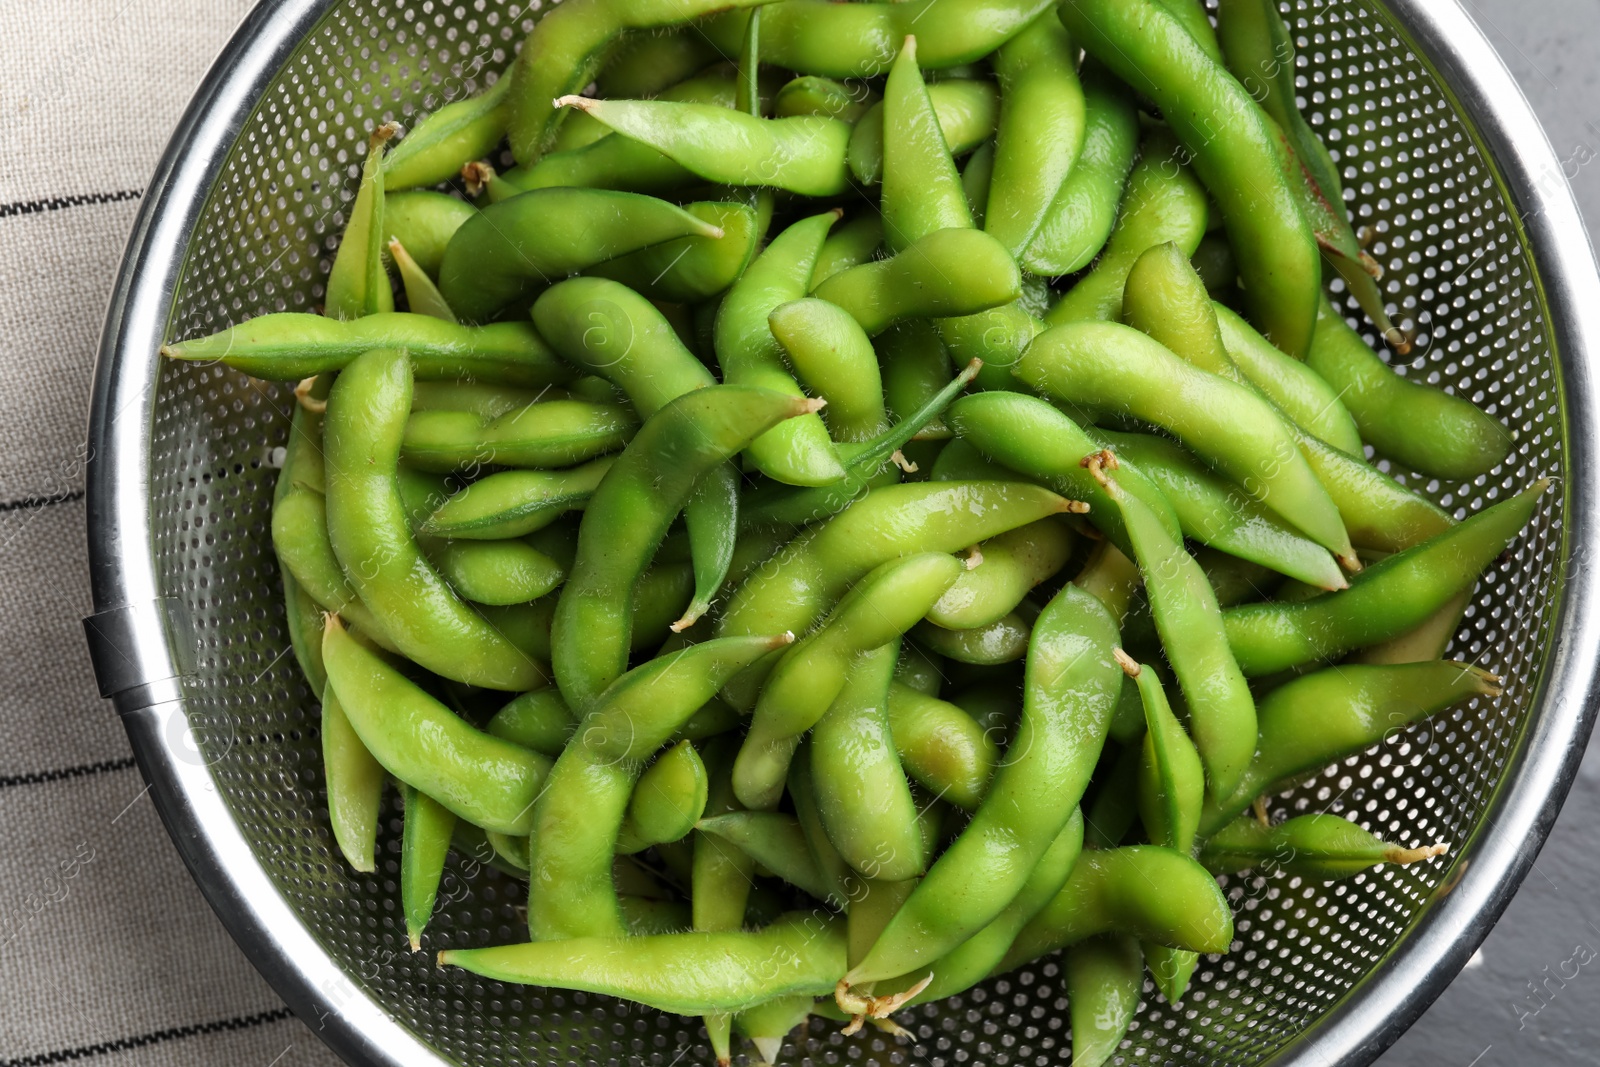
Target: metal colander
point(1486, 259)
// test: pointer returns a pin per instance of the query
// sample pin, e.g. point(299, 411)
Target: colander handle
point(140, 652)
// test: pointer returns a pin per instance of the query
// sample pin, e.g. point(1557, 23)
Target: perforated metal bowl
point(1486, 257)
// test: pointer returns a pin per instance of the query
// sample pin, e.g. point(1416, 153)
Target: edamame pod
point(1104, 979)
point(922, 193)
point(695, 268)
point(1003, 641)
point(1071, 688)
point(496, 572)
point(539, 720)
point(683, 973)
point(1155, 894)
point(300, 539)
point(811, 95)
point(861, 40)
point(423, 221)
point(796, 451)
point(834, 358)
point(915, 367)
point(371, 536)
point(803, 684)
point(1120, 369)
point(424, 844)
point(1079, 219)
point(804, 154)
point(628, 516)
point(552, 433)
point(1419, 426)
point(1308, 846)
point(862, 795)
point(850, 245)
point(514, 503)
point(289, 346)
point(776, 841)
point(357, 282)
point(966, 110)
point(1221, 710)
point(951, 272)
point(1387, 599)
point(422, 296)
point(721, 875)
point(1322, 717)
point(1171, 783)
point(1315, 404)
point(1009, 566)
point(579, 815)
point(1163, 202)
point(457, 133)
point(1040, 132)
point(650, 61)
point(354, 784)
point(813, 571)
point(483, 779)
point(509, 250)
point(940, 745)
point(1213, 511)
point(976, 178)
point(566, 51)
point(669, 798)
point(1235, 149)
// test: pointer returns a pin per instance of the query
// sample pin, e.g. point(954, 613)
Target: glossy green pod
point(1104, 979)
point(423, 221)
point(694, 268)
point(966, 110)
point(424, 844)
point(457, 133)
point(1322, 846)
point(943, 747)
point(950, 272)
point(539, 720)
point(669, 798)
point(549, 434)
point(515, 503)
point(833, 357)
point(1008, 567)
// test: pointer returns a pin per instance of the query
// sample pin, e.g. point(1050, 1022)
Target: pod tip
point(384, 134)
point(476, 176)
point(974, 557)
point(810, 405)
point(1129, 665)
point(302, 394)
point(882, 1007)
point(582, 103)
point(1396, 854)
point(170, 351)
point(898, 458)
point(414, 938)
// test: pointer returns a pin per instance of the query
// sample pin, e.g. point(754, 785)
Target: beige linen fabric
point(108, 953)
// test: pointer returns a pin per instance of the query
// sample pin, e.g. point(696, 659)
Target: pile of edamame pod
point(876, 494)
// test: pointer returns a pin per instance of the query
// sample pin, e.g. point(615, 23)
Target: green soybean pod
point(496, 572)
point(566, 52)
point(1417, 425)
point(796, 451)
point(1314, 403)
point(1171, 782)
point(669, 798)
point(1389, 598)
point(834, 874)
point(1222, 712)
point(949, 272)
point(859, 41)
point(371, 535)
point(1324, 716)
point(422, 296)
point(922, 191)
point(455, 134)
point(1236, 151)
point(1379, 513)
point(721, 875)
point(849, 245)
point(509, 250)
point(1152, 893)
point(1003, 641)
point(1115, 809)
point(1163, 202)
point(966, 110)
point(768, 1023)
point(804, 154)
point(1228, 425)
point(915, 366)
point(290, 346)
point(811, 95)
point(515, 503)
point(551, 433)
point(1214, 511)
point(423, 221)
point(646, 62)
point(628, 517)
point(692, 973)
point(803, 684)
point(483, 779)
point(834, 358)
point(944, 748)
point(354, 785)
point(1104, 979)
point(862, 794)
point(776, 841)
point(1040, 132)
point(539, 720)
point(300, 539)
point(1079, 219)
point(424, 844)
point(1008, 568)
point(976, 178)
point(1071, 688)
point(697, 267)
point(357, 283)
point(1319, 845)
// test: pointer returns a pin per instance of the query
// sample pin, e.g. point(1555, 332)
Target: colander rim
point(139, 650)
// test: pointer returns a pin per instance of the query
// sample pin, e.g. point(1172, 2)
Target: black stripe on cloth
point(83, 771)
point(56, 203)
point(156, 1037)
point(29, 502)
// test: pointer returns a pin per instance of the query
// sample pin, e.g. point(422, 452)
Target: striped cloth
point(108, 953)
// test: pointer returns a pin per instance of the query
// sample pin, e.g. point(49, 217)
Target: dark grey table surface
point(1531, 995)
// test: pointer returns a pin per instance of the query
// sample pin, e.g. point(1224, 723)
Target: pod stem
point(1396, 854)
